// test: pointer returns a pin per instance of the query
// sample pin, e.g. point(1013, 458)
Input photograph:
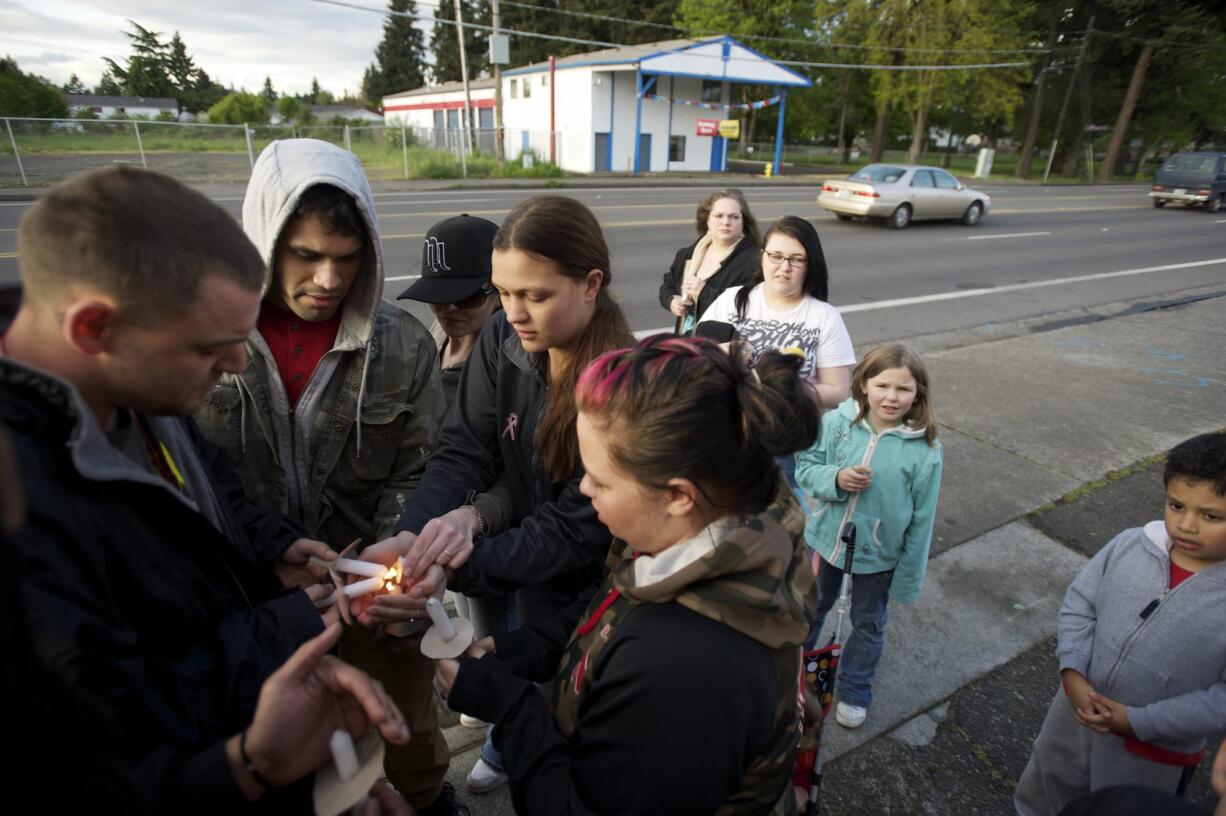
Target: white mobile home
point(646, 108)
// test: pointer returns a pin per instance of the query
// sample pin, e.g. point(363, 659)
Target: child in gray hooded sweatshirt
point(1142, 648)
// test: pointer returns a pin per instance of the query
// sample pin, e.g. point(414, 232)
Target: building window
point(676, 148)
point(515, 89)
point(544, 80)
point(712, 91)
point(527, 87)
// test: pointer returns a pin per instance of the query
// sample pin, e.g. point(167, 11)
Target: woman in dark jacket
point(724, 255)
point(676, 691)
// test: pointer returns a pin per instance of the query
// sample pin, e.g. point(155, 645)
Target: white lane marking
point(1005, 235)
point(1220, 221)
point(1013, 287)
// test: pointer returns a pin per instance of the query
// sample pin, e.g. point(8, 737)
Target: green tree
point(314, 100)
point(108, 85)
point(269, 94)
point(239, 107)
point(1159, 32)
point(446, 45)
point(74, 85)
point(293, 109)
point(145, 73)
point(204, 94)
point(28, 95)
point(180, 66)
point(399, 57)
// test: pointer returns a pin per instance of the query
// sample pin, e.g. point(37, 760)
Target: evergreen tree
point(75, 86)
point(446, 46)
point(145, 73)
point(314, 100)
point(180, 66)
point(399, 57)
point(270, 95)
point(108, 85)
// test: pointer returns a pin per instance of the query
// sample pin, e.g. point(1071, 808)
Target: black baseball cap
point(455, 260)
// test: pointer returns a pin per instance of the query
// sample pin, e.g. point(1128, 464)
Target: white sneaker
point(471, 722)
point(483, 778)
point(850, 716)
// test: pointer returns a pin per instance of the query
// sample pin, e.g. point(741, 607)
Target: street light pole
point(468, 102)
point(499, 147)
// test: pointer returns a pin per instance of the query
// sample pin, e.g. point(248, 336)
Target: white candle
point(352, 566)
point(355, 567)
point(438, 616)
point(363, 587)
point(344, 755)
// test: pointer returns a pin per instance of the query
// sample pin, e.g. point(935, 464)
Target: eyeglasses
point(794, 261)
point(475, 300)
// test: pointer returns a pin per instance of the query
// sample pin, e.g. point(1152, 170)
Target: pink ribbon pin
point(512, 423)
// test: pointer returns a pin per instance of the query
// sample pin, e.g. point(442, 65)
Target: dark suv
point(1192, 178)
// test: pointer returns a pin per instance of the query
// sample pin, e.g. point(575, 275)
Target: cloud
point(239, 42)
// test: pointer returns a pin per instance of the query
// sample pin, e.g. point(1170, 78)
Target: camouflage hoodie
point(749, 574)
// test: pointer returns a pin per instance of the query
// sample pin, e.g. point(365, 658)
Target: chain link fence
point(39, 152)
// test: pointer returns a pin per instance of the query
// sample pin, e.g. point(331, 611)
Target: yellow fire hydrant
point(768, 169)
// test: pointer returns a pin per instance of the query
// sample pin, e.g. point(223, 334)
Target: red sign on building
point(707, 127)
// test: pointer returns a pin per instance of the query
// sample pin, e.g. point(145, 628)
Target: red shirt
point(297, 345)
point(1178, 575)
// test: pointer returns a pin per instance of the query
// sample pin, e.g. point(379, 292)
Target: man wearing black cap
point(455, 281)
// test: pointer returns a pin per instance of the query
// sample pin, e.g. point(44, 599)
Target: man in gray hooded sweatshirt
point(331, 421)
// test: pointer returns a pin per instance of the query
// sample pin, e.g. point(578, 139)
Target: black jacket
point(664, 664)
point(136, 598)
point(734, 270)
point(558, 546)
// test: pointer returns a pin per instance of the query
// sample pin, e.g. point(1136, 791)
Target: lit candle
point(352, 566)
point(438, 616)
point(363, 587)
point(344, 755)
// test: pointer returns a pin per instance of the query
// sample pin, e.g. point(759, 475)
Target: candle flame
point(393, 576)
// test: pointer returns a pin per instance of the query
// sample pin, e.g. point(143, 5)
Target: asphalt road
point(1021, 261)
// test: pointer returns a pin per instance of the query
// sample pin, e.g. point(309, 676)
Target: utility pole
point(1068, 94)
point(1036, 109)
point(499, 146)
point(468, 102)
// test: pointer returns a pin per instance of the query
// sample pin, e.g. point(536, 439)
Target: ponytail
point(683, 408)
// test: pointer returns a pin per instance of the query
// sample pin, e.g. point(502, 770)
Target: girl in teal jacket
point(877, 465)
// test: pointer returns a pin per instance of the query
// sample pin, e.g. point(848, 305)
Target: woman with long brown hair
point(513, 420)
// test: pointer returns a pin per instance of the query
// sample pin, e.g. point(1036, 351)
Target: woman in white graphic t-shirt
point(784, 306)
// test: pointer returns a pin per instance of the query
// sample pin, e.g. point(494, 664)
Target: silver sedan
point(902, 193)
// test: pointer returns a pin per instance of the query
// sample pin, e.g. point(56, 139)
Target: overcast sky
point(238, 42)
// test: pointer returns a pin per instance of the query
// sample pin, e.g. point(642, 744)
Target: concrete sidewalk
point(1024, 420)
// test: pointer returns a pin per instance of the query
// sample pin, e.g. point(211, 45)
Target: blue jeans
point(870, 598)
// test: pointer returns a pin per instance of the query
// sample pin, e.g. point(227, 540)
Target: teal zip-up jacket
point(893, 517)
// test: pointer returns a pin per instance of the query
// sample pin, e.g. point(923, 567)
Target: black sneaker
point(445, 805)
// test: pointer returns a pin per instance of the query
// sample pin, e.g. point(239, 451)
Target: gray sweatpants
point(1070, 760)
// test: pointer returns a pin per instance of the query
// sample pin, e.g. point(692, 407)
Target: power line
point(766, 38)
point(579, 41)
point(1157, 41)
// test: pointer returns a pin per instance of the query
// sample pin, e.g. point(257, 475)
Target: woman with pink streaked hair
point(678, 682)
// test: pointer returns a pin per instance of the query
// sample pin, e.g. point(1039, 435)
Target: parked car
point(902, 193)
point(1191, 178)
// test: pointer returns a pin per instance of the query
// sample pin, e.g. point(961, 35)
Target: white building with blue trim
point(642, 108)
